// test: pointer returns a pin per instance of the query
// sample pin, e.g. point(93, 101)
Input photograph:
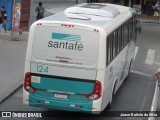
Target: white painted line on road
point(135, 53)
point(157, 58)
point(141, 73)
point(150, 57)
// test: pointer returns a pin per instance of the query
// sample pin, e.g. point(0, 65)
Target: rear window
point(68, 46)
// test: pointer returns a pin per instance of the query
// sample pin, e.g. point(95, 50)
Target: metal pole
point(13, 17)
point(16, 19)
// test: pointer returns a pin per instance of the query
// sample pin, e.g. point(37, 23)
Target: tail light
point(27, 83)
point(96, 93)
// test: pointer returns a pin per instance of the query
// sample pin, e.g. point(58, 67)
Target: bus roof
point(94, 14)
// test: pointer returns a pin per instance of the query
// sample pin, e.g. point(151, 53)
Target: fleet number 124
point(42, 69)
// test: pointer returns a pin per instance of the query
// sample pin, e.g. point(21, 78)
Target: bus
point(76, 60)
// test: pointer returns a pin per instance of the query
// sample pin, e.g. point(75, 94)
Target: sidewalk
point(12, 56)
point(151, 19)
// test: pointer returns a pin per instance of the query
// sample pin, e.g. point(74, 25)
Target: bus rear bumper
point(60, 104)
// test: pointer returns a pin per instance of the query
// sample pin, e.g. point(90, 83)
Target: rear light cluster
point(96, 93)
point(27, 83)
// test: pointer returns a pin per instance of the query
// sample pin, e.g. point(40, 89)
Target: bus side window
point(131, 29)
point(120, 38)
point(108, 50)
point(116, 42)
point(125, 33)
point(123, 36)
point(111, 46)
point(128, 31)
point(134, 28)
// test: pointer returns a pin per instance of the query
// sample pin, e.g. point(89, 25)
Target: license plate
point(62, 96)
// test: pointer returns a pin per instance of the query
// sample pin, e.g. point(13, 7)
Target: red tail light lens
point(96, 93)
point(27, 83)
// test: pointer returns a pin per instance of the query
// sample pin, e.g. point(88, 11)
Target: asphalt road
point(134, 95)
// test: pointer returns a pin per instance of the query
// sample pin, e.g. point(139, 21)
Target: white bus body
point(76, 60)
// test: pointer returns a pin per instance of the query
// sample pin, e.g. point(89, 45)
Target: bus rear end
point(61, 67)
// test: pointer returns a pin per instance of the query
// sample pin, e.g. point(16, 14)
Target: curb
point(9, 93)
point(49, 12)
point(150, 22)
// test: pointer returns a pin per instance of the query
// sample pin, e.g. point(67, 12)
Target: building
point(25, 13)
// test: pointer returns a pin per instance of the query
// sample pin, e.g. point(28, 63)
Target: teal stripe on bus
point(60, 104)
point(68, 37)
point(79, 87)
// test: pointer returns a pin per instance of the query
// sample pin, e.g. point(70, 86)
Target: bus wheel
point(109, 106)
point(130, 66)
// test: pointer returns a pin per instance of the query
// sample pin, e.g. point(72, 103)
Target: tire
point(130, 66)
point(109, 106)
